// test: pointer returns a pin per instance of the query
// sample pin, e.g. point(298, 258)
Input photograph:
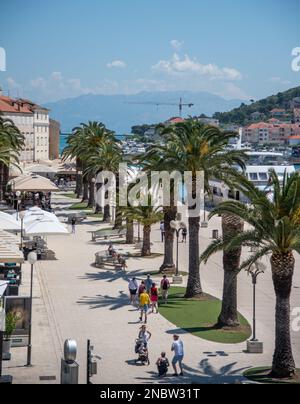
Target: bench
point(103, 257)
point(105, 234)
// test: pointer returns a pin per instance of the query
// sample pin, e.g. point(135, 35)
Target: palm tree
point(11, 144)
point(147, 216)
point(275, 231)
point(84, 142)
point(107, 157)
point(195, 147)
point(151, 161)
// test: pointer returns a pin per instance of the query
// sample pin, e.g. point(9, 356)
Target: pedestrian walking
point(162, 364)
point(154, 298)
point(142, 288)
point(148, 283)
point(133, 289)
point(144, 306)
point(144, 335)
point(178, 349)
point(165, 286)
point(162, 231)
point(73, 224)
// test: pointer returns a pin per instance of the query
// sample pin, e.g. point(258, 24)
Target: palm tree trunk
point(118, 219)
point(129, 231)
point(78, 189)
point(106, 214)
point(168, 264)
point(231, 225)
point(194, 288)
point(91, 202)
point(282, 270)
point(146, 249)
point(85, 196)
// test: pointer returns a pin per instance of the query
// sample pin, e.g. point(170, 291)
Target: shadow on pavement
point(205, 374)
point(99, 301)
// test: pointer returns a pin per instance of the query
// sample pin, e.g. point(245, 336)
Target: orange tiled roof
point(12, 105)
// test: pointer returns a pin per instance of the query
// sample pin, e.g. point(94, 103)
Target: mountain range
point(121, 112)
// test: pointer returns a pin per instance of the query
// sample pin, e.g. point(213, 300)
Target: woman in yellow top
point(144, 305)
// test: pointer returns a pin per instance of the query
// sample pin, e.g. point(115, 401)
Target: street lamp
point(18, 194)
point(177, 226)
point(32, 259)
point(254, 346)
point(22, 216)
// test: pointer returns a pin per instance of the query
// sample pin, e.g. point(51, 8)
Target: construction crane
point(180, 105)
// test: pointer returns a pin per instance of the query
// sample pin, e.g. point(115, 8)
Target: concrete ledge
point(255, 347)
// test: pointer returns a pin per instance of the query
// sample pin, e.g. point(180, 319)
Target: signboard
point(21, 307)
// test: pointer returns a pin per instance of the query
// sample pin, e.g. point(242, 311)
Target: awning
point(32, 183)
point(9, 254)
point(9, 238)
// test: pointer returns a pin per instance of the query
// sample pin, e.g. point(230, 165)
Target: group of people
point(147, 294)
point(162, 362)
point(112, 251)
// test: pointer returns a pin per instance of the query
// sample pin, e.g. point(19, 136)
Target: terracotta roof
point(176, 120)
point(294, 137)
point(11, 105)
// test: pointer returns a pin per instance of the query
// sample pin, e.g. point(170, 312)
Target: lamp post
point(18, 194)
point(177, 226)
point(22, 216)
point(32, 259)
point(254, 346)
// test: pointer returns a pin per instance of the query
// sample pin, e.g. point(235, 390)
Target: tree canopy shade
point(275, 231)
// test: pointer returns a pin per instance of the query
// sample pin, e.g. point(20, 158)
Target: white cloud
point(177, 45)
point(279, 80)
point(57, 76)
point(119, 64)
point(12, 83)
point(39, 82)
point(188, 66)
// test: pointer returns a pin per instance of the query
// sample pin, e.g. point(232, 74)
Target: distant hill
point(120, 113)
point(242, 114)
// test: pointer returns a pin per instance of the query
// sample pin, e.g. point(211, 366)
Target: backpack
point(165, 284)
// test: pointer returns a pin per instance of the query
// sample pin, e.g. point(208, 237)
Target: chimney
point(1, 93)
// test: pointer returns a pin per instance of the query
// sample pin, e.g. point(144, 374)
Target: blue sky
point(62, 48)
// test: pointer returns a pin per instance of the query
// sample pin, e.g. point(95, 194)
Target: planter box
point(177, 280)
point(255, 347)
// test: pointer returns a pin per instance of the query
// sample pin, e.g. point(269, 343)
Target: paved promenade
point(73, 299)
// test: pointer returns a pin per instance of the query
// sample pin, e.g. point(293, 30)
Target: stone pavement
point(73, 299)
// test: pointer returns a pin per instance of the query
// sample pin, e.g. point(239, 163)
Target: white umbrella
point(35, 213)
point(46, 227)
point(7, 222)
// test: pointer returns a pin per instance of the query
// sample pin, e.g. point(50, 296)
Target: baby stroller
point(142, 352)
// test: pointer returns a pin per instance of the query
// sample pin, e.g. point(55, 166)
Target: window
point(253, 177)
point(263, 176)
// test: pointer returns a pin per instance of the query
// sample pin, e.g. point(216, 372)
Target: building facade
point(33, 122)
point(270, 133)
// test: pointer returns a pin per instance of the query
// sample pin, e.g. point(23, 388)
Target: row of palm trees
point(192, 146)
point(11, 144)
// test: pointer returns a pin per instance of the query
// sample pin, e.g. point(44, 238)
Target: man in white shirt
point(178, 349)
